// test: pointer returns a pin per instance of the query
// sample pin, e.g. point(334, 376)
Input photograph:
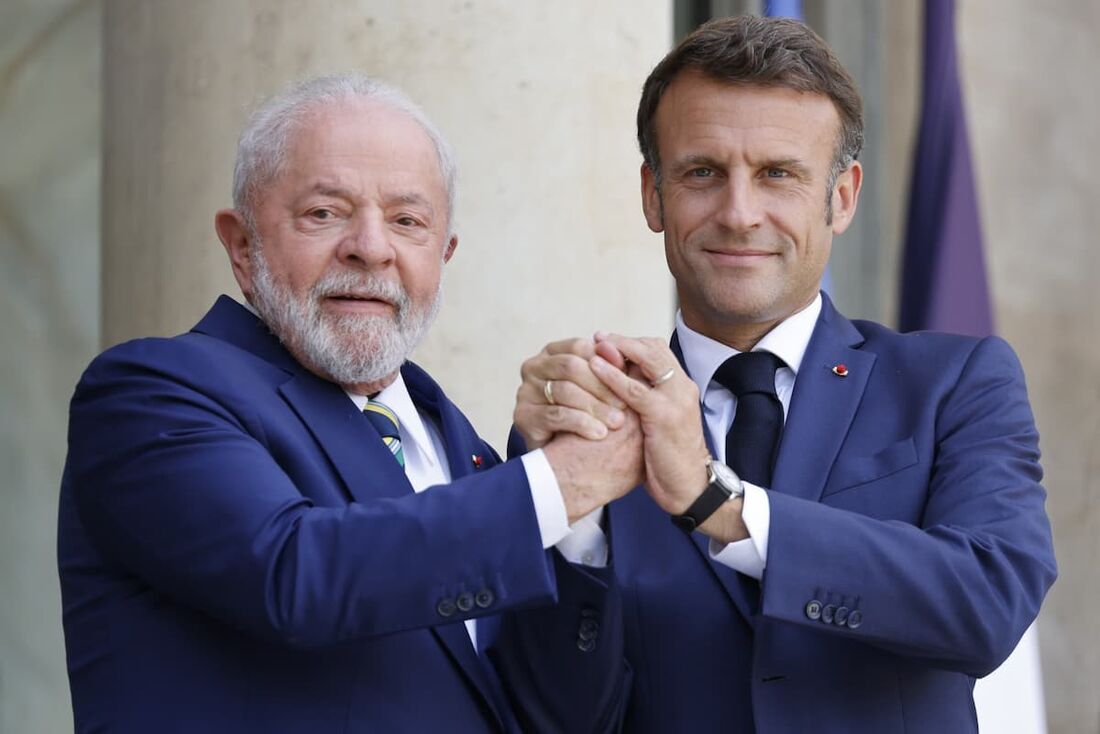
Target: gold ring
point(548, 391)
point(665, 377)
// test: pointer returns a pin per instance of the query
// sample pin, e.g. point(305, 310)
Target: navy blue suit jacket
point(908, 552)
point(239, 552)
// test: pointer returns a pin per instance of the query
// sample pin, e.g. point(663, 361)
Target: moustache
point(359, 285)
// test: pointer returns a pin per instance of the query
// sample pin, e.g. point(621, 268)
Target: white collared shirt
point(702, 357)
point(426, 466)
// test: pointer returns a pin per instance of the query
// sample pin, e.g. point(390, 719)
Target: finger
point(543, 421)
point(584, 348)
point(652, 355)
point(562, 368)
point(570, 395)
point(611, 353)
point(632, 391)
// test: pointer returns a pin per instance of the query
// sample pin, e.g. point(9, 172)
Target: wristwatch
point(722, 484)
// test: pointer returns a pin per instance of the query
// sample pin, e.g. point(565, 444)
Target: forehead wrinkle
point(325, 188)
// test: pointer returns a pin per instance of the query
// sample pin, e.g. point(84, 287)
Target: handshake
point(614, 412)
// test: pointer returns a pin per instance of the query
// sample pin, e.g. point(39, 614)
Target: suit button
point(813, 609)
point(589, 629)
point(586, 645)
point(827, 613)
point(445, 607)
point(484, 598)
point(465, 601)
point(841, 616)
point(855, 619)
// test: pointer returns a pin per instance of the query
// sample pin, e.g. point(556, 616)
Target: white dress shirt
point(587, 544)
point(426, 466)
point(702, 357)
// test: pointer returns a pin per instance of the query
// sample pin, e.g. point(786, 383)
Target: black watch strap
point(708, 503)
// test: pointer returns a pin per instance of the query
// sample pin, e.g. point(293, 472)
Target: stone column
point(1030, 90)
point(49, 326)
point(537, 98)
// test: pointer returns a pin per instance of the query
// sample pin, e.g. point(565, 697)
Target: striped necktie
point(384, 421)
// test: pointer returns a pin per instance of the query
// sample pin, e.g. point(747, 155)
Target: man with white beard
point(274, 522)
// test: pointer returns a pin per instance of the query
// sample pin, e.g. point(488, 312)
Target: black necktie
point(754, 435)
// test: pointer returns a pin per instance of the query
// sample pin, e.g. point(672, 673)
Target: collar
point(397, 398)
point(787, 340)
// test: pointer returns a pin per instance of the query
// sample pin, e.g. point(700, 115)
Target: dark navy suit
point(908, 552)
point(239, 552)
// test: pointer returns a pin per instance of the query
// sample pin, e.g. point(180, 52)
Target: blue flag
point(783, 9)
point(943, 282)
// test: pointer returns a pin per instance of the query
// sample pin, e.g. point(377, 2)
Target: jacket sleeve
point(180, 491)
point(957, 590)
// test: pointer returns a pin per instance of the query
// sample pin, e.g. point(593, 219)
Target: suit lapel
point(822, 406)
point(465, 451)
point(361, 460)
point(461, 445)
point(355, 449)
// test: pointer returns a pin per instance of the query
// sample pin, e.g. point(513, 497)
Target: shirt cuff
point(587, 544)
point(546, 496)
point(748, 556)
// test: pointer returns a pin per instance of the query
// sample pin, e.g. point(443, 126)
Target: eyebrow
point(413, 199)
point(695, 160)
point(794, 165)
point(410, 198)
point(327, 189)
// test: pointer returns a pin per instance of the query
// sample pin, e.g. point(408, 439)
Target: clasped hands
point(614, 412)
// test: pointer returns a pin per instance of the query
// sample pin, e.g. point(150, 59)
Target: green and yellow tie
point(384, 421)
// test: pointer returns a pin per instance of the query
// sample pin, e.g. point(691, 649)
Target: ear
point(651, 200)
point(452, 245)
point(231, 229)
point(846, 197)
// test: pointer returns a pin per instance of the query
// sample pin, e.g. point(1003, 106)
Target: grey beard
point(349, 349)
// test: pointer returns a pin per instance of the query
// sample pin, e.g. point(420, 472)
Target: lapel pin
point(840, 370)
point(478, 461)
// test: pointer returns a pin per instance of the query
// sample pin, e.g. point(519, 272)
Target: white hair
point(348, 349)
point(262, 146)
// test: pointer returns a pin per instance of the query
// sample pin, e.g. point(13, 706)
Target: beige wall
point(1031, 91)
point(49, 291)
point(538, 100)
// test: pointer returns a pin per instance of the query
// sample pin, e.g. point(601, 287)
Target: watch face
point(725, 475)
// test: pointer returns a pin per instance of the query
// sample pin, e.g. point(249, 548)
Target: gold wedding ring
point(548, 391)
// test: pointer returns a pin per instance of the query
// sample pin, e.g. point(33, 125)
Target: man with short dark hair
point(857, 526)
point(275, 523)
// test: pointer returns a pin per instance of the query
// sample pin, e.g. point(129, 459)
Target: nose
point(740, 207)
point(366, 243)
